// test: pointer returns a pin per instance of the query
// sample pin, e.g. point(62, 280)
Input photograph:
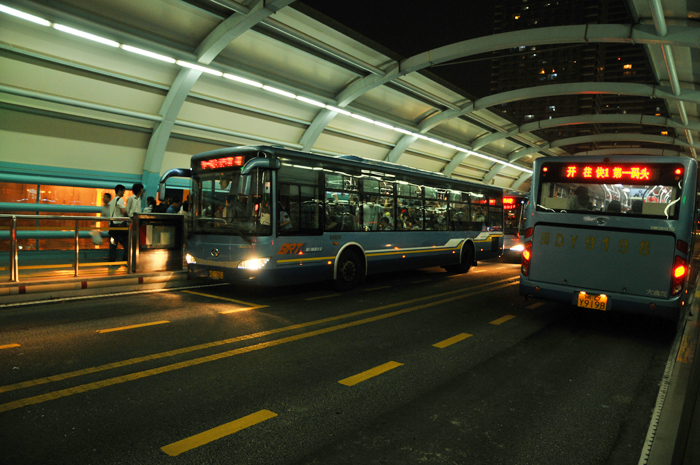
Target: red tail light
point(528, 233)
point(680, 270)
point(527, 253)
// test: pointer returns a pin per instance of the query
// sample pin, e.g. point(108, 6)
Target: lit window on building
point(627, 66)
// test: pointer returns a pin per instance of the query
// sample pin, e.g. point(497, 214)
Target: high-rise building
point(529, 66)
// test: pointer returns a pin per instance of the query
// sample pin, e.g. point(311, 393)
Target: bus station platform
point(51, 279)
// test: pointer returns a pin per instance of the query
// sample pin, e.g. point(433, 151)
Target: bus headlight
point(253, 264)
point(518, 248)
point(190, 259)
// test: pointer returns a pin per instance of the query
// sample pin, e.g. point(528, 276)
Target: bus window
point(377, 210)
point(410, 207)
point(299, 200)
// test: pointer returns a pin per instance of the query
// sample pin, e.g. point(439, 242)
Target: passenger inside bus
point(581, 199)
point(614, 207)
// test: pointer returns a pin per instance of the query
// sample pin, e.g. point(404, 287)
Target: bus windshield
point(225, 206)
point(650, 191)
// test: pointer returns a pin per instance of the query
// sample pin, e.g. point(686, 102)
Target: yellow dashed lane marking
point(452, 340)
point(502, 319)
point(9, 346)
point(132, 326)
point(230, 353)
point(219, 432)
point(534, 306)
point(365, 375)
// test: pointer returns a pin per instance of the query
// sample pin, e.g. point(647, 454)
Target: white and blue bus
point(611, 233)
point(273, 216)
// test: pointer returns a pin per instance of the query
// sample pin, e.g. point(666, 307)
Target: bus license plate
point(216, 274)
point(596, 302)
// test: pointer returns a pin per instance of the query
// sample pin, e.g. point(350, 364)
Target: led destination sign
point(610, 173)
point(218, 163)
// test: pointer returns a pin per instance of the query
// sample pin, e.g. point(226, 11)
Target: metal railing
point(14, 257)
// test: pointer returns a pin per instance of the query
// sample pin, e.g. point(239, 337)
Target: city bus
point(273, 216)
point(514, 206)
point(611, 233)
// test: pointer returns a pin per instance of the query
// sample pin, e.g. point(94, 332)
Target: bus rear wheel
point(349, 274)
point(465, 264)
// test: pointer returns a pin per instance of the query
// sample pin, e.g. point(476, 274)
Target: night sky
point(408, 30)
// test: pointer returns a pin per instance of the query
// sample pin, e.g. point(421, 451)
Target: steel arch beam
point(603, 138)
point(585, 119)
point(210, 47)
point(495, 169)
point(655, 152)
point(519, 182)
point(578, 88)
point(603, 33)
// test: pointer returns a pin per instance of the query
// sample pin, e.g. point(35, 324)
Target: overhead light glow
point(203, 69)
point(383, 125)
point(403, 131)
point(362, 118)
point(242, 80)
point(339, 110)
point(23, 15)
point(146, 53)
point(435, 141)
point(85, 35)
point(275, 90)
point(311, 102)
point(420, 136)
point(450, 146)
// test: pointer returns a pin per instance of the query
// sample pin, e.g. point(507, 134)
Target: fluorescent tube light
point(339, 110)
point(203, 69)
point(362, 118)
point(450, 146)
point(279, 91)
point(311, 102)
point(403, 131)
point(383, 125)
point(146, 53)
point(85, 35)
point(243, 80)
point(435, 141)
point(420, 136)
point(23, 15)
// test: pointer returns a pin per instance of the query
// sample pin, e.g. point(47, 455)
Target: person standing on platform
point(118, 209)
point(174, 206)
point(133, 203)
point(150, 204)
point(106, 198)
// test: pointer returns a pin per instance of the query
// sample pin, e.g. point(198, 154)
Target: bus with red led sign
point(514, 222)
point(272, 216)
point(611, 233)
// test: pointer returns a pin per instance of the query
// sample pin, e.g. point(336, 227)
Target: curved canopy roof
point(136, 88)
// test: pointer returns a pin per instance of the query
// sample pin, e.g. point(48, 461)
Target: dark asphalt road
point(522, 382)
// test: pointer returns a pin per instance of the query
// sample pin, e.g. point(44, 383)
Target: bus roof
point(344, 160)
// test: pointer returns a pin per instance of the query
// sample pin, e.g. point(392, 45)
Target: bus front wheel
point(349, 273)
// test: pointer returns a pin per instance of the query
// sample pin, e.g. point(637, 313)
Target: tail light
point(528, 233)
point(527, 253)
point(680, 270)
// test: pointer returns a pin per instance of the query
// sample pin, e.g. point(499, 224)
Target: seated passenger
point(614, 207)
point(581, 199)
point(637, 206)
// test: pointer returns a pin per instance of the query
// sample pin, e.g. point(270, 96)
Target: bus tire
point(466, 263)
point(349, 274)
